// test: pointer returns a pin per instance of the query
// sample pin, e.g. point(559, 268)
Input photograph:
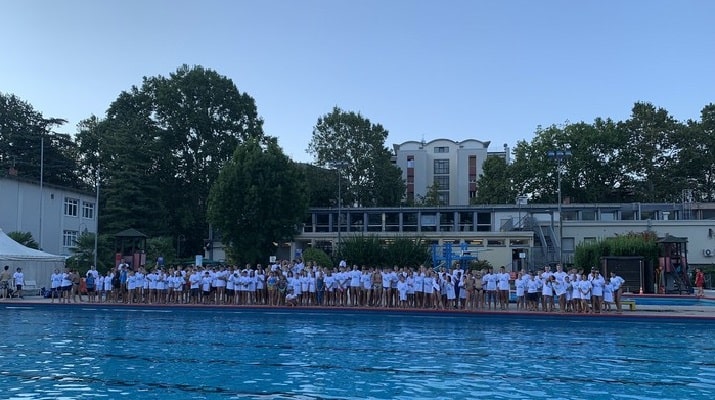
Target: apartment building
point(451, 167)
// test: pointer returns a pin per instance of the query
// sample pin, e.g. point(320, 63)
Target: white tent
point(36, 264)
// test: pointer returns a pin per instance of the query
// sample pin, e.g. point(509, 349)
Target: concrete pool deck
point(685, 312)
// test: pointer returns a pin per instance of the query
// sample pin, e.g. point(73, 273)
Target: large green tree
point(495, 186)
point(160, 148)
point(696, 157)
point(651, 152)
point(259, 198)
point(348, 139)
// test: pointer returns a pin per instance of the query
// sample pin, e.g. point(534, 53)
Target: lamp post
point(338, 166)
point(96, 218)
point(559, 156)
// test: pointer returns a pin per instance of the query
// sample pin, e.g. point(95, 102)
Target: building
point(451, 167)
point(519, 235)
point(54, 215)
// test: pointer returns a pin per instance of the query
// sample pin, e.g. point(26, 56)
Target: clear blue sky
point(489, 70)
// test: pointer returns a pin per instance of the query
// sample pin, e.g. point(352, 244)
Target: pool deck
point(642, 311)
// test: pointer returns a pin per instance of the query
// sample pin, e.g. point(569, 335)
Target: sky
point(487, 70)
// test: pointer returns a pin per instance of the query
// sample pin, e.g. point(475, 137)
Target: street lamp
point(96, 217)
point(339, 166)
point(559, 156)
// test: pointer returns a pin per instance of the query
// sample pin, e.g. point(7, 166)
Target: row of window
point(72, 208)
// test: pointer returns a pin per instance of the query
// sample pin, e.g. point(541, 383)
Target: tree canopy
point(160, 148)
point(258, 200)
point(28, 145)
point(350, 140)
point(650, 157)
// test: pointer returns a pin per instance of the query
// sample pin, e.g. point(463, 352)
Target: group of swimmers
point(297, 284)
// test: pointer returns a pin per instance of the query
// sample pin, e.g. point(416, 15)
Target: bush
point(317, 255)
point(644, 244)
point(373, 251)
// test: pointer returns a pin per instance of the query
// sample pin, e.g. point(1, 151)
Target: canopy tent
point(36, 264)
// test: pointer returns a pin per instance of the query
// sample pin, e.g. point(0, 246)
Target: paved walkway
point(643, 311)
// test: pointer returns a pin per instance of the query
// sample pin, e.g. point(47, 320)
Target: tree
point(259, 198)
point(161, 147)
point(597, 172)
point(203, 117)
point(322, 185)
point(695, 142)
point(82, 251)
point(651, 152)
point(532, 172)
point(24, 238)
point(494, 185)
point(318, 256)
point(29, 145)
point(430, 199)
point(349, 138)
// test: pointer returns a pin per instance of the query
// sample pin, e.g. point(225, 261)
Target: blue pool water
point(80, 353)
point(671, 301)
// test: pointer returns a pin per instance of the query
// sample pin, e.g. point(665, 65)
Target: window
point(410, 161)
point(588, 215)
point(69, 238)
point(87, 210)
point(568, 244)
point(71, 207)
point(441, 166)
point(442, 182)
point(441, 149)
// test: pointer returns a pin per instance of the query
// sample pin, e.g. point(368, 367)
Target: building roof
point(130, 233)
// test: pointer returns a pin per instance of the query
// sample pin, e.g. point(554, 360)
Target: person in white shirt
point(490, 284)
point(597, 283)
point(532, 293)
point(617, 283)
point(66, 287)
point(608, 294)
point(503, 287)
point(354, 275)
point(55, 285)
point(366, 287)
point(402, 291)
point(19, 278)
point(585, 289)
point(520, 292)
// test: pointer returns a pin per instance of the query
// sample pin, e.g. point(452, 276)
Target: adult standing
point(617, 283)
point(5, 277)
point(55, 285)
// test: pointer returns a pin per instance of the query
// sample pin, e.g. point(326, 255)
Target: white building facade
point(451, 167)
point(55, 216)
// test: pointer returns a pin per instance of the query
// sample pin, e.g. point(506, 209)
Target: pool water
point(74, 353)
point(671, 301)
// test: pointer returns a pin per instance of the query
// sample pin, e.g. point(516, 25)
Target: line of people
point(297, 284)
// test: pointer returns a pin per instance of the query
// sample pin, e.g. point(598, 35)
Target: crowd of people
point(298, 284)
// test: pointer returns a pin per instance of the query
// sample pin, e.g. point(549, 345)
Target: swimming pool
point(685, 301)
point(77, 353)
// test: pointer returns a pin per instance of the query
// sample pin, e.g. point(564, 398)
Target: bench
point(630, 303)
point(30, 288)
